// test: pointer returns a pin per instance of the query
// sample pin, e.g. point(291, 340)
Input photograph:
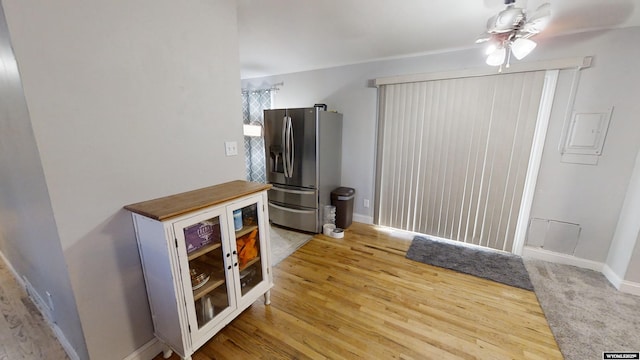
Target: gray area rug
point(501, 267)
point(285, 242)
point(586, 314)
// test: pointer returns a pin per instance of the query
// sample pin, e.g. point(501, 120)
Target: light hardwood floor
point(360, 298)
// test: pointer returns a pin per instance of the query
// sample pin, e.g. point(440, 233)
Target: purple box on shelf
point(201, 234)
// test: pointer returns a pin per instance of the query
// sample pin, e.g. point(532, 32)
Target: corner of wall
point(558, 258)
point(622, 285)
point(147, 351)
point(627, 232)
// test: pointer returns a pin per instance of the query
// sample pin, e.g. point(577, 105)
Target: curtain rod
point(273, 87)
point(580, 63)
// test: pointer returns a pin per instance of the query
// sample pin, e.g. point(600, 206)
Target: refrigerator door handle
point(297, 192)
point(292, 151)
point(291, 210)
point(284, 143)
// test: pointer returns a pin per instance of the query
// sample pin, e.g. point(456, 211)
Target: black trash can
point(342, 199)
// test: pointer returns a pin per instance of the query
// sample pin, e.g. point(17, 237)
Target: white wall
point(622, 259)
point(28, 234)
point(592, 196)
point(565, 192)
point(128, 101)
point(633, 269)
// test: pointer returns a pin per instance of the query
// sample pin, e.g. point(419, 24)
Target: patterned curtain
point(253, 103)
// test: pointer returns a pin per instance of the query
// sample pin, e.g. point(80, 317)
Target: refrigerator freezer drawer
point(297, 196)
point(304, 219)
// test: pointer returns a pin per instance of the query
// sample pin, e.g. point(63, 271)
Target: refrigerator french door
point(303, 148)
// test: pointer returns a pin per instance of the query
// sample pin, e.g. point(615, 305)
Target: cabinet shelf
point(250, 262)
point(205, 249)
point(216, 280)
point(245, 230)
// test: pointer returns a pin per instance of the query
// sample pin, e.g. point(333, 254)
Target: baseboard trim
point(66, 345)
point(630, 287)
point(551, 256)
point(363, 218)
point(43, 308)
point(147, 351)
point(624, 286)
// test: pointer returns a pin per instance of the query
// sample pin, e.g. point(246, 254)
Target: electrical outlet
point(50, 300)
point(366, 203)
point(231, 148)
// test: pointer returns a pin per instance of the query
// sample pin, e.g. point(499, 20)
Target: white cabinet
point(206, 257)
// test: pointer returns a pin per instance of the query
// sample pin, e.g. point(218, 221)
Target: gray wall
point(128, 101)
point(633, 269)
point(28, 234)
point(590, 196)
point(623, 260)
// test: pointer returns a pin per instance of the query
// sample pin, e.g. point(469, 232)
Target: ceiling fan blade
point(484, 37)
point(539, 20)
point(543, 10)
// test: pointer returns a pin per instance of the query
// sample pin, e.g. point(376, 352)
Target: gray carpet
point(586, 314)
point(496, 266)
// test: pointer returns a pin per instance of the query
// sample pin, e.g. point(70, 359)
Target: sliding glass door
point(453, 155)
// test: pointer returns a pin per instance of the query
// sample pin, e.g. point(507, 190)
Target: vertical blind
point(453, 155)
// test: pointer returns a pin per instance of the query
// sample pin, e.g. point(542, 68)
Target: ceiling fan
point(508, 32)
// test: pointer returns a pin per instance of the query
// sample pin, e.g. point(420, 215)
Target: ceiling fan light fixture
point(509, 32)
point(491, 48)
point(521, 47)
point(496, 58)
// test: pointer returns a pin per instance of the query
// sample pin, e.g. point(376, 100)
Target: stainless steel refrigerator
point(304, 149)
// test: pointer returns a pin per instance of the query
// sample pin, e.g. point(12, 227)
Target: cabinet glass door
point(251, 253)
point(205, 251)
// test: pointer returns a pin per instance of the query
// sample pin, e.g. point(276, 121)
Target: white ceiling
point(284, 36)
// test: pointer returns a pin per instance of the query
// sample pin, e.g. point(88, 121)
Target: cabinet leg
point(267, 297)
point(166, 353)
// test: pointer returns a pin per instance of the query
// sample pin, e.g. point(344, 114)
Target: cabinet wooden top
point(179, 204)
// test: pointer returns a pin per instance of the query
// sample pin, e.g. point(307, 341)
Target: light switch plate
point(231, 148)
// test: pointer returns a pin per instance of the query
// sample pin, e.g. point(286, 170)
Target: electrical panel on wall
point(584, 137)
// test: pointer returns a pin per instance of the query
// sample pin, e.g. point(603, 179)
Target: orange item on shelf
point(247, 249)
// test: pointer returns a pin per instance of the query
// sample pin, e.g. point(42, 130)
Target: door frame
point(537, 147)
point(535, 159)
